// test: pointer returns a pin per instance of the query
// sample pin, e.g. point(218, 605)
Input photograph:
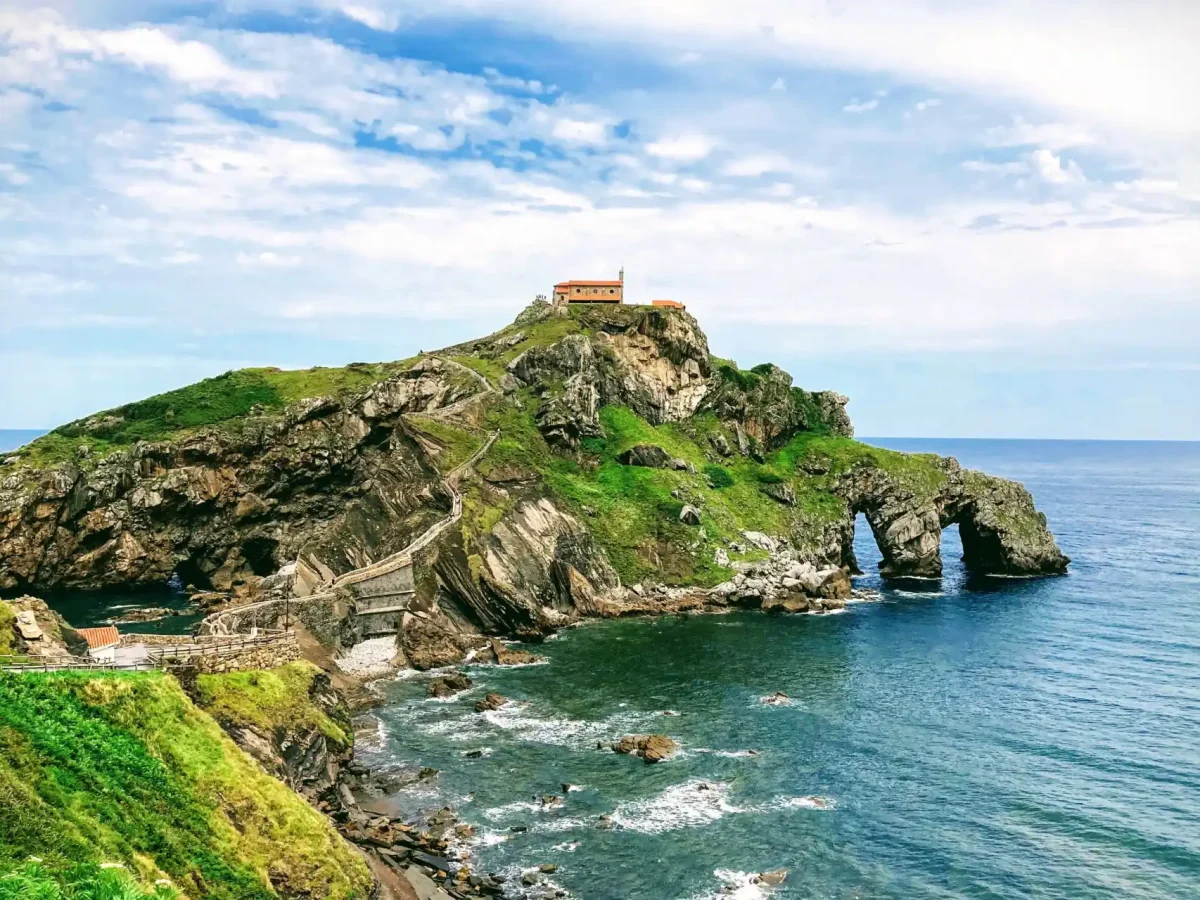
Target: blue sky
point(976, 219)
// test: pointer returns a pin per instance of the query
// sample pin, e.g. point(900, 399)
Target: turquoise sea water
point(1008, 739)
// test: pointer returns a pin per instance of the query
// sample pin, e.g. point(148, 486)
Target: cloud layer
point(896, 176)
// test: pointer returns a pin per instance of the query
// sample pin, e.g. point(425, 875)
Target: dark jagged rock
point(646, 455)
point(491, 702)
point(448, 685)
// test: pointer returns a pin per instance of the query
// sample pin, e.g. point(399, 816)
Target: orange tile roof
point(99, 638)
point(671, 304)
point(597, 283)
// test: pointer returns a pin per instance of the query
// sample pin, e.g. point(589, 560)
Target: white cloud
point(681, 148)
point(923, 105)
point(756, 165)
point(12, 174)
point(181, 258)
point(1052, 135)
point(1129, 66)
point(267, 258)
point(779, 84)
point(581, 132)
point(1051, 169)
point(856, 106)
point(1015, 167)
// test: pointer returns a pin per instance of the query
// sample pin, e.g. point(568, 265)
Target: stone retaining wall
point(253, 655)
point(326, 616)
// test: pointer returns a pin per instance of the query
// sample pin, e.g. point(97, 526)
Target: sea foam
point(693, 804)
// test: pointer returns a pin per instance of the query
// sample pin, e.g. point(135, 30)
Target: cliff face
point(613, 449)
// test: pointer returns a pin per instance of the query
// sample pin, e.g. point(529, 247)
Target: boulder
point(760, 540)
point(781, 492)
point(645, 455)
point(689, 515)
point(652, 748)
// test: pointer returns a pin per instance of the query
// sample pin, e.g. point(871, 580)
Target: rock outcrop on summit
point(613, 451)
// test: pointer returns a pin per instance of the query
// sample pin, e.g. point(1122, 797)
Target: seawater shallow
point(1007, 739)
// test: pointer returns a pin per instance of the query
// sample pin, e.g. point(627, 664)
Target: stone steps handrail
point(404, 557)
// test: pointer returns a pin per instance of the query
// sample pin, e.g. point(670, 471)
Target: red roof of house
point(99, 638)
point(585, 283)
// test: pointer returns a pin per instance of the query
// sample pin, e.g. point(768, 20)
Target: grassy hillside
point(269, 700)
point(633, 512)
point(123, 769)
point(213, 401)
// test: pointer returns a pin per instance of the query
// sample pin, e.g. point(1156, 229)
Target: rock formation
point(612, 451)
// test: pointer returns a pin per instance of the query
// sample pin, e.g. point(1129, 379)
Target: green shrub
point(747, 381)
point(85, 882)
point(7, 619)
point(765, 477)
point(718, 477)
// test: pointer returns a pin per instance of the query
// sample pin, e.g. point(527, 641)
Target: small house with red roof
point(102, 643)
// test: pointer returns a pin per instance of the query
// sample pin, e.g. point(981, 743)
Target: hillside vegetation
point(123, 770)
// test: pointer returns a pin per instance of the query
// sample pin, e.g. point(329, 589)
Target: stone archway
point(1001, 531)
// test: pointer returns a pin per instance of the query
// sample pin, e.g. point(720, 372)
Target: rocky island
point(583, 462)
point(614, 465)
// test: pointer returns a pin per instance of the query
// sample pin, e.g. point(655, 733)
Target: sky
point(976, 219)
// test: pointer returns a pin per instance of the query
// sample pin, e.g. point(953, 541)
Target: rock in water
point(490, 702)
point(773, 878)
point(448, 685)
point(652, 748)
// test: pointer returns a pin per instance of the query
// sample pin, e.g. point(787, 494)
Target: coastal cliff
point(608, 449)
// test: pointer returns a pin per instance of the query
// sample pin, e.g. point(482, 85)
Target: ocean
point(1005, 739)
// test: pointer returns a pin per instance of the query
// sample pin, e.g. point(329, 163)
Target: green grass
point(718, 477)
point(459, 443)
point(123, 768)
point(268, 700)
point(632, 514)
point(213, 401)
